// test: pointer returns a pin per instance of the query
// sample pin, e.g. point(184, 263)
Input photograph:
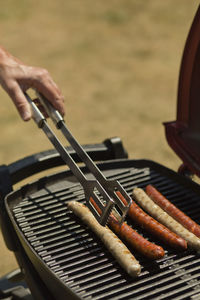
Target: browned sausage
point(154, 227)
point(123, 256)
point(138, 242)
point(161, 216)
point(172, 210)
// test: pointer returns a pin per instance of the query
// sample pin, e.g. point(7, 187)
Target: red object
point(172, 210)
point(183, 135)
point(154, 227)
point(137, 241)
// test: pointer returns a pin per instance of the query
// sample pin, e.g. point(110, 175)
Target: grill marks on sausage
point(145, 221)
point(138, 242)
point(172, 210)
point(158, 213)
point(163, 221)
point(132, 237)
point(123, 256)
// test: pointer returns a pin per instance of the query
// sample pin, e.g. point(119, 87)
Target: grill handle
point(111, 148)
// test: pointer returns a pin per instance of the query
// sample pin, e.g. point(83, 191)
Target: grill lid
point(183, 135)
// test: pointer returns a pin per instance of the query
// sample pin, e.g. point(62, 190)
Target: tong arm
point(110, 190)
point(40, 120)
point(51, 111)
point(37, 116)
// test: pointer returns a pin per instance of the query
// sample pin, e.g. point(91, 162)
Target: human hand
point(16, 77)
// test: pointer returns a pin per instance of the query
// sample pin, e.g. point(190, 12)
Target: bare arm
point(16, 77)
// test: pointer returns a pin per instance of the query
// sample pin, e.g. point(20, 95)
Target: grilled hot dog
point(110, 240)
point(127, 233)
point(155, 228)
point(172, 210)
point(138, 242)
point(158, 213)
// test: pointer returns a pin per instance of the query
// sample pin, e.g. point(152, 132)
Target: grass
point(117, 63)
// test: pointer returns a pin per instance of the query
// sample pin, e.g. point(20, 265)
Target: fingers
point(15, 77)
point(20, 101)
point(44, 84)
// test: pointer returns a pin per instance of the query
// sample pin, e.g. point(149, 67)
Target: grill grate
point(74, 254)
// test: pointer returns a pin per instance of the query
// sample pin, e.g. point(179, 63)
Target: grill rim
point(35, 186)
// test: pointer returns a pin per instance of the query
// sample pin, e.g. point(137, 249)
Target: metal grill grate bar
point(149, 284)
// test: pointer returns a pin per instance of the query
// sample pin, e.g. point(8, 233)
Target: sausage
point(127, 233)
point(123, 256)
point(138, 242)
point(155, 228)
point(158, 213)
point(172, 210)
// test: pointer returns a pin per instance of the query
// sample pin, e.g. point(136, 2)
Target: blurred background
point(117, 63)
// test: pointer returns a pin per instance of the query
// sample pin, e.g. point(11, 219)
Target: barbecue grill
point(59, 257)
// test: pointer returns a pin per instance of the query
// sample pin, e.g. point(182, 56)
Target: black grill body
point(70, 261)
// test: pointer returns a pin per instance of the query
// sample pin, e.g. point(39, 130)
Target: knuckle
point(11, 88)
point(43, 73)
point(21, 104)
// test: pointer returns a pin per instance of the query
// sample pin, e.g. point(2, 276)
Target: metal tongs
point(107, 194)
